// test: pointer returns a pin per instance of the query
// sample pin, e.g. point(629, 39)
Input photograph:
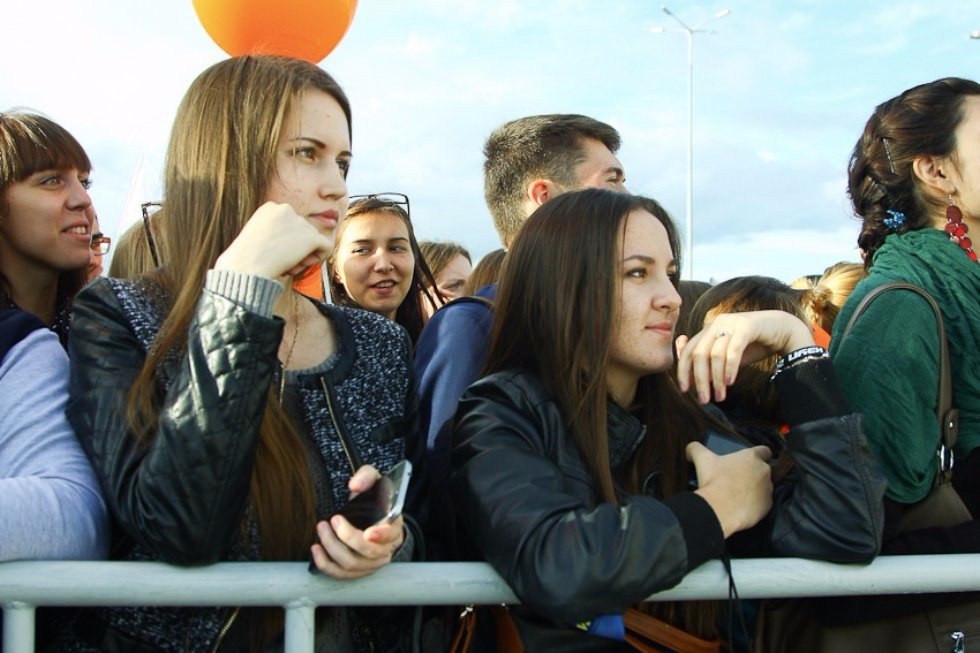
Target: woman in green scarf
point(914, 179)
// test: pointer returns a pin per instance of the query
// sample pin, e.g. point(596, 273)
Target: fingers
point(311, 260)
point(695, 451)
point(710, 360)
point(363, 479)
point(275, 241)
point(346, 552)
point(763, 452)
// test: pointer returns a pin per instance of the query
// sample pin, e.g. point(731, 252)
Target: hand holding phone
point(344, 549)
point(383, 501)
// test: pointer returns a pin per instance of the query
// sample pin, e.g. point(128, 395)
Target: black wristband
point(812, 352)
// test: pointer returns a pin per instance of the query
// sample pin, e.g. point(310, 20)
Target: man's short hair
point(545, 147)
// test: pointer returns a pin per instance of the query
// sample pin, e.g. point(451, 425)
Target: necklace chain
point(292, 346)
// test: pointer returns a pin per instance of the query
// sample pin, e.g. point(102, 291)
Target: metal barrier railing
point(26, 585)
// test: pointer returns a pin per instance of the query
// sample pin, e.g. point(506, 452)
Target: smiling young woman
point(377, 264)
point(45, 218)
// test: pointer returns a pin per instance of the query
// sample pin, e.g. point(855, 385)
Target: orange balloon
point(304, 29)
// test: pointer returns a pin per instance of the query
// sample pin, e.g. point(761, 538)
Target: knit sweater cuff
point(702, 531)
point(809, 391)
point(254, 294)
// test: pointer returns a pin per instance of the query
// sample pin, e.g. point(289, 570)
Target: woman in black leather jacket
point(228, 419)
point(570, 466)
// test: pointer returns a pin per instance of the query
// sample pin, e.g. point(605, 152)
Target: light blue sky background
point(782, 91)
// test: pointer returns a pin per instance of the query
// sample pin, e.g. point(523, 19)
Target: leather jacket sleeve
point(181, 494)
point(529, 510)
point(830, 505)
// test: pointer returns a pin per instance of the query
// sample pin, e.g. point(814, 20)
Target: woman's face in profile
point(312, 160)
point(643, 332)
point(966, 173)
point(452, 279)
point(374, 262)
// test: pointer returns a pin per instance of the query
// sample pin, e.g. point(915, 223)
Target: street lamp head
point(723, 13)
point(975, 34)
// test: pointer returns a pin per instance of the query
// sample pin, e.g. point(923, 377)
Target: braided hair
point(922, 121)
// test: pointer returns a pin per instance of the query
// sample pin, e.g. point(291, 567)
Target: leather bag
point(648, 634)
point(791, 624)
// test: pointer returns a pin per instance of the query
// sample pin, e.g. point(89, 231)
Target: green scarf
point(927, 258)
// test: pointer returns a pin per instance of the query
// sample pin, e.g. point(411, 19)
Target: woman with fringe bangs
point(578, 469)
point(46, 218)
point(228, 416)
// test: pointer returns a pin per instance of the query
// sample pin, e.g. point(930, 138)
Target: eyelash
point(86, 183)
point(307, 153)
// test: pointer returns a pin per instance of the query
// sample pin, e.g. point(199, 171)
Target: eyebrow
point(371, 240)
point(619, 171)
point(320, 144)
point(649, 260)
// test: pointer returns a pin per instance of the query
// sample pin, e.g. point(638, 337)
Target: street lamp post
point(690, 32)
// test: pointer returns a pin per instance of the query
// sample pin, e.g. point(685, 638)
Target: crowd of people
point(265, 346)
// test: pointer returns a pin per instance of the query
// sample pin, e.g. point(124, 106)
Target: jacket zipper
point(225, 628)
point(336, 425)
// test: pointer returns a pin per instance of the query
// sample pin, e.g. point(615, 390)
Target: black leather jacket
point(183, 497)
point(528, 505)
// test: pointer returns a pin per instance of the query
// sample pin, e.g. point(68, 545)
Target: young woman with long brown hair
point(570, 470)
point(228, 416)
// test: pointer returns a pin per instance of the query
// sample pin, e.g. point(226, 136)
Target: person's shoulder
point(122, 291)
point(521, 386)
point(15, 326)
point(24, 336)
point(891, 315)
point(460, 324)
point(367, 328)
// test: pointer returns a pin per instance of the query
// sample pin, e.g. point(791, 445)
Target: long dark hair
point(559, 292)
point(558, 296)
point(922, 121)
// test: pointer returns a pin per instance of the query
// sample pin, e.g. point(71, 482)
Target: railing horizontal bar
point(289, 583)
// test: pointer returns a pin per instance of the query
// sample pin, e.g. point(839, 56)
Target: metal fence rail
point(25, 585)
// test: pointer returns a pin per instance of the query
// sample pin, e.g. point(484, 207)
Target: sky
point(782, 90)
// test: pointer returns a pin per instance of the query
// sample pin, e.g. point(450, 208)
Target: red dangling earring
point(958, 230)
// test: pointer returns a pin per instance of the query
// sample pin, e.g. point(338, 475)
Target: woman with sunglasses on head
point(229, 417)
point(377, 264)
point(572, 466)
point(45, 218)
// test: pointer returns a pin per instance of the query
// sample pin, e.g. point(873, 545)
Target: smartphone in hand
point(383, 501)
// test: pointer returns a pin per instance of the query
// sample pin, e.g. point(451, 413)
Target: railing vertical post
point(18, 627)
point(300, 627)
